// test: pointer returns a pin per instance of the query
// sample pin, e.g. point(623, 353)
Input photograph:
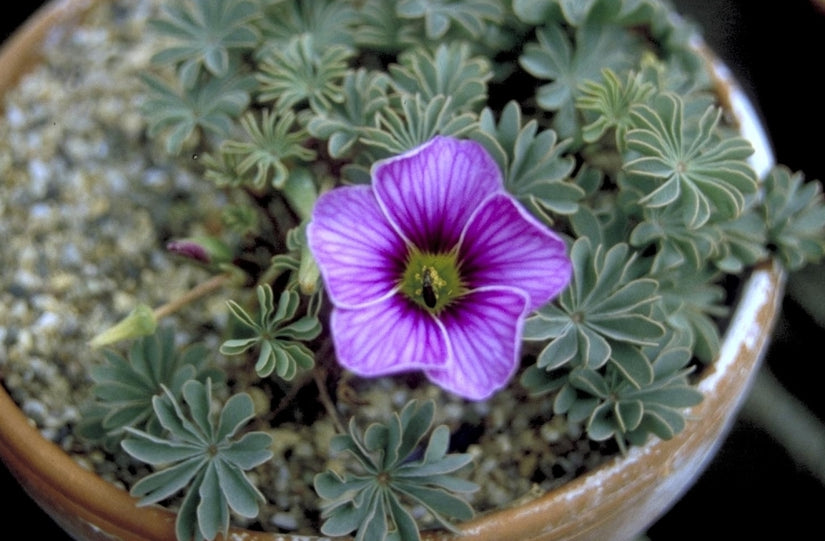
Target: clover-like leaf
point(472, 16)
point(742, 243)
point(611, 102)
point(272, 142)
point(677, 161)
point(206, 34)
point(569, 65)
point(416, 122)
point(606, 305)
point(365, 94)
point(176, 113)
point(678, 246)
point(692, 304)
point(328, 23)
point(627, 410)
point(536, 169)
point(278, 339)
point(578, 12)
point(124, 388)
point(450, 71)
point(395, 468)
point(201, 456)
point(794, 214)
point(382, 29)
point(299, 74)
point(642, 391)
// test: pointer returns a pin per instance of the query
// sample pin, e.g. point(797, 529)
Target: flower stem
point(323, 395)
point(200, 290)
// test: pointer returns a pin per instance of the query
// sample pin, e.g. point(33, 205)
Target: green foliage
point(439, 16)
point(569, 65)
point(416, 122)
point(327, 24)
point(207, 35)
point(299, 74)
point(612, 101)
point(124, 388)
point(794, 213)
point(535, 168)
point(278, 340)
point(393, 469)
point(578, 12)
point(383, 30)
point(606, 306)
point(626, 406)
point(175, 112)
point(451, 71)
point(692, 304)
point(364, 96)
point(202, 456)
point(684, 160)
point(272, 142)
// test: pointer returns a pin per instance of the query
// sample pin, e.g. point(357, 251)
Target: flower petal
point(485, 338)
point(359, 254)
point(504, 245)
point(430, 192)
point(388, 337)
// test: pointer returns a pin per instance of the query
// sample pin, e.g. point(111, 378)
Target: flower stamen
point(432, 281)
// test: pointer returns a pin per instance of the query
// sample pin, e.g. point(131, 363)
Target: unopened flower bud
point(203, 249)
point(140, 322)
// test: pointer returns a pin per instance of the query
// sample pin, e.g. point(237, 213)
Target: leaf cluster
point(201, 455)
point(394, 469)
point(273, 332)
point(124, 388)
point(609, 360)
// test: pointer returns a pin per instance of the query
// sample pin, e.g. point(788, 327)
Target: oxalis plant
point(473, 196)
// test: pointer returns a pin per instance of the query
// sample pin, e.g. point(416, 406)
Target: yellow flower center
point(432, 281)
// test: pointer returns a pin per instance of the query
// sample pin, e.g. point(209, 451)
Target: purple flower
point(434, 267)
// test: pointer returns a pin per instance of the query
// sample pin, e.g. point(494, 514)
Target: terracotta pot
point(616, 501)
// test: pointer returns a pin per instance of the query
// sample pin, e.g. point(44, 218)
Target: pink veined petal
point(504, 245)
point(430, 192)
point(359, 254)
point(388, 337)
point(485, 337)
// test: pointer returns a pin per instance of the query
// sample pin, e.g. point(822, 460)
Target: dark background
point(752, 484)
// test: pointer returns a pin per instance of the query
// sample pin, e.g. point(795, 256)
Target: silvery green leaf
point(154, 450)
point(250, 450)
point(538, 381)
point(449, 71)
point(472, 16)
point(234, 414)
point(565, 398)
point(211, 470)
point(794, 214)
point(708, 175)
point(164, 483)
point(633, 365)
point(241, 495)
point(374, 503)
point(238, 345)
point(198, 398)
point(212, 512)
point(589, 381)
point(629, 414)
point(601, 424)
point(560, 351)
